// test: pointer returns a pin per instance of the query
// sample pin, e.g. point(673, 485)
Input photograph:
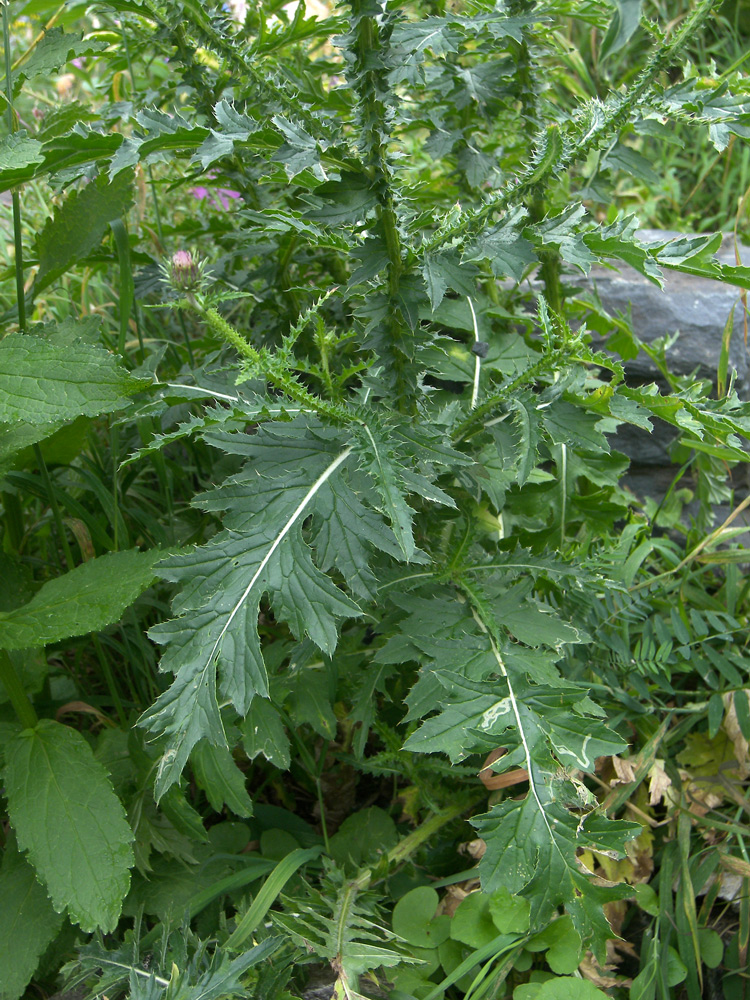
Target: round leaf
point(414, 918)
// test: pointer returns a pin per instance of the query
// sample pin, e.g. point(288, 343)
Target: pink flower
point(218, 197)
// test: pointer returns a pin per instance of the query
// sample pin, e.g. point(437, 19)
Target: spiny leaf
point(546, 725)
point(386, 476)
point(56, 48)
point(261, 550)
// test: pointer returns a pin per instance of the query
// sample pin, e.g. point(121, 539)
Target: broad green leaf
point(559, 988)
point(510, 913)
point(79, 225)
point(44, 383)
point(624, 22)
point(221, 779)
point(70, 822)
point(28, 922)
point(415, 918)
point(363, 836)
point(562, 945)
point(86, 599)
point(472, 922)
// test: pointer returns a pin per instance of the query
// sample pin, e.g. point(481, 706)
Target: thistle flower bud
point(184, 272)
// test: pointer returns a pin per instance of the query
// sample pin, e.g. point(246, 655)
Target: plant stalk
point(16, 694)
point(12, 127)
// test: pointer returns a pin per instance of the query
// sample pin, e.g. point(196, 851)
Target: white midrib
point(477, 359)
point(519, 724)
point(296, 514)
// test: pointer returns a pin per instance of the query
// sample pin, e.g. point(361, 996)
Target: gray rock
point(695, 308)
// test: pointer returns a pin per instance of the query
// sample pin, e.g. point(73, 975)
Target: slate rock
point(696, 308)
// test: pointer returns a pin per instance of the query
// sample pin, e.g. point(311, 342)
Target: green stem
point(16, 693)
point(613, 118)
point(280, 378)
point(546, 363)
point(12, 127)
point(55, 507)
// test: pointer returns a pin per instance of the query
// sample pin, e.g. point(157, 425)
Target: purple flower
point(218, 197)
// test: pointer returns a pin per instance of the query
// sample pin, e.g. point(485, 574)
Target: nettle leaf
point(86, 599)
point(67, 817)
point(43, 382)
point(496, 700)
point(28, 922)
point(79, 224)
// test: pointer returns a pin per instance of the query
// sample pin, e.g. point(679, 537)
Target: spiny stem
point(280, 378)
point(614, 116)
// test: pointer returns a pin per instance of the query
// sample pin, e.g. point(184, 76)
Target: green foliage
point(352, 467)
point(68, 818)
point(91, 596)
point(28, 923)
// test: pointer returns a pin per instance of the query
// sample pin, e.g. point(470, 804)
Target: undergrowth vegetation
point(336, 659)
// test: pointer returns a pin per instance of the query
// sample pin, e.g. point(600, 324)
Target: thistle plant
point(409, 547)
